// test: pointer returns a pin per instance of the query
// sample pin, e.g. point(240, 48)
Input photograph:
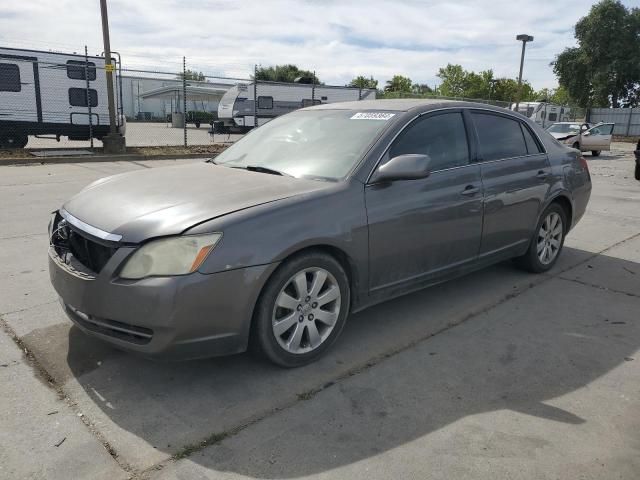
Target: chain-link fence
point(59, 100)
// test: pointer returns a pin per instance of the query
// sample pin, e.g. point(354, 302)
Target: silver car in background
point(319, 213)
point(584, 136)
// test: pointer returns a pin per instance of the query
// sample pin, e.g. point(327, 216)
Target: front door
point(597, 138)
point(418, 229)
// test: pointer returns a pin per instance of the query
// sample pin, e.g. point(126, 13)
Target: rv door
point(18, 96)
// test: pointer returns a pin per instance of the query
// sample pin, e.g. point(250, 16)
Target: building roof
point(194, 92)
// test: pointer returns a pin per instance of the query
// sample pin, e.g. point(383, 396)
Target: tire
point(595, 153)
point(285, 326)
point(14, 140)
point(534, 260)
point(637, 172)
point(576, 146)
point(197, 124)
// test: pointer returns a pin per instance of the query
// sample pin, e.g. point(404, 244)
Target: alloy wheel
point(306, 310)
point(549, 238)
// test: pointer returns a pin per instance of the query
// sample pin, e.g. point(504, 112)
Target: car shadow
point(515, 353)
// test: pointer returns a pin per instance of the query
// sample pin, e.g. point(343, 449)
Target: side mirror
point(586, 134)
point(411, 166)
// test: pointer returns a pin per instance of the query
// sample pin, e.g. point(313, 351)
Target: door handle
point(542, 175)
point(470, 190)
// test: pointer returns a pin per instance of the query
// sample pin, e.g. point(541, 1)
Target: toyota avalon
point(317, 214)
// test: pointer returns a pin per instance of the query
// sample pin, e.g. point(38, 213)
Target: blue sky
point(337, 39)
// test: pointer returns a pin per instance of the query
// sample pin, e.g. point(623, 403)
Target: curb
point(101, 158)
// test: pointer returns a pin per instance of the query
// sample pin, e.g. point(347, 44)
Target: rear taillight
point(583, 162)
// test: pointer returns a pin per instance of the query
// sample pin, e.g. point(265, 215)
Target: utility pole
point(524, 38)
point(114, 142)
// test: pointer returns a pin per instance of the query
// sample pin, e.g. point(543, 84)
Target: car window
point(442, 137)
point(595, 131)
point(317, 144)
point(499, 137)
point(532, 146)
point(606, 129)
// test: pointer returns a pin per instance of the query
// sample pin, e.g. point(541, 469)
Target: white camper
point(543, 113)
point(237, 108)
point(46, 93)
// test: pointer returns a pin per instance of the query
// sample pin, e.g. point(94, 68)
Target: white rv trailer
point(543, 113)
point(45, 93)
point(238, 111)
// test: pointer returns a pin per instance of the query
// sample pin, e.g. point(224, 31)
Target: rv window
point(9, 77)
point(265, 102)
point(76, 70)
point(553, 117)
point(323, 98)
point(78, 97)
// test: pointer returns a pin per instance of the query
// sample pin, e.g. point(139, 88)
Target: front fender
point(269, 233)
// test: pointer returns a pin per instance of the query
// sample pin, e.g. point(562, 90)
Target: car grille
point(91, 254)
point(120, 330)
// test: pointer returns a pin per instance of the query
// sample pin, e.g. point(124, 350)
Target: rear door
point(516, 176)
point(420, 228)
point(19, 95)
point(598, 137)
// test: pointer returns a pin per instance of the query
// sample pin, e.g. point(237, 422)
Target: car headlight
point(170, 256)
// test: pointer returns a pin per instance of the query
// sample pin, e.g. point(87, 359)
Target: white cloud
point(337, 39)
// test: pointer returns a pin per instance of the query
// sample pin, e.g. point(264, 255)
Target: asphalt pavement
point(500, 374)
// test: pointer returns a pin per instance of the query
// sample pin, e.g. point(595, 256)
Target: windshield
point(564, 128)
point(323, 144)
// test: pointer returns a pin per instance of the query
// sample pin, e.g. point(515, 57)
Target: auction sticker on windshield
point(372, 116)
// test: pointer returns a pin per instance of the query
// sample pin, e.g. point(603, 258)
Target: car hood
point(561, 136)
point(168, 200)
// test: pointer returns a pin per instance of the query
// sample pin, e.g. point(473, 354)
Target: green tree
point(193, 75)
point(421, 89)
point(604, 69)
point(286, 73)
point(398, 84)
point(454, 79)
point(506, 90)
point(363, 82)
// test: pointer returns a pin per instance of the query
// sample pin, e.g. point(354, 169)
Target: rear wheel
point(302, 310)
point(595, 153)
point(13, 140)
point(637, 171)
point(547, 243)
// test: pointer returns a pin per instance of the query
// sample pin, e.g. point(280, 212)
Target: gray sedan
point(318, 213)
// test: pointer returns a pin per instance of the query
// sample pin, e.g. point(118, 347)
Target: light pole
point(113, 142)
point(524, 38)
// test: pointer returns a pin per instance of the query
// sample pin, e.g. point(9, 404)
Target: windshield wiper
point(259, 169)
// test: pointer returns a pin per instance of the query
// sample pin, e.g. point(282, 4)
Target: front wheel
point(302, 309)
point(595, 153)
point(637, 172)
point(547, 243)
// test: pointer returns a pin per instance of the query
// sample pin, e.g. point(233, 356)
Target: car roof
point(404, 105)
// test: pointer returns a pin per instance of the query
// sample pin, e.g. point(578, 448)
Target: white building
point(150, 98)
